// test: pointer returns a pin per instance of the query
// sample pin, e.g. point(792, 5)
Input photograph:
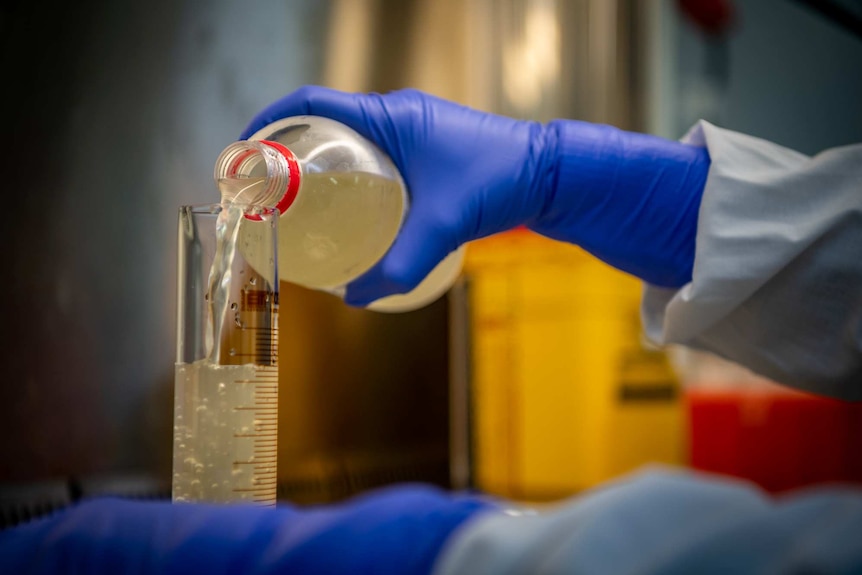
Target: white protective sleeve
point(777, 280)
point(666, 522)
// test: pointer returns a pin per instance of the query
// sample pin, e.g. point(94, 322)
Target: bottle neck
point(260, 173)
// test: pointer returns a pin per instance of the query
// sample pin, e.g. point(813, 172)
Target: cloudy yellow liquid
point(225, 433)
point(338, 226)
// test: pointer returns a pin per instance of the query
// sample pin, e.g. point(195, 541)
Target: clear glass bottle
point(341, 199)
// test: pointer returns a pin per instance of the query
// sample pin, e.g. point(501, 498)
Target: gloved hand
point(630, 199)
point(396, 530)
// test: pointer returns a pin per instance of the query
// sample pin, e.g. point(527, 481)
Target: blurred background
point(530, 379)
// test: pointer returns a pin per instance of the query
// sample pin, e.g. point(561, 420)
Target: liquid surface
point(225, 433)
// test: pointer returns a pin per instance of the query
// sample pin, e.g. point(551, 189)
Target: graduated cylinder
point(226, 385)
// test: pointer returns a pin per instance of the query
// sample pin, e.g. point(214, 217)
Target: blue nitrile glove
point(630, 199)
point(398, 530)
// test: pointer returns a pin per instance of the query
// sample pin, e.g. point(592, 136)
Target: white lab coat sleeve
point(663, 522)
point(777, 279)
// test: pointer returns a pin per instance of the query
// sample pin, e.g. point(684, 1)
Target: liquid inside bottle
point(339, 225)
point(342, 205)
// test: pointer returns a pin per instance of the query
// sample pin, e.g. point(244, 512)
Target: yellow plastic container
point(566, 394)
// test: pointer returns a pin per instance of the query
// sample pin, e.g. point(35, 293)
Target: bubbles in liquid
point(232, 352)
point(233, 306)
point(252, 281)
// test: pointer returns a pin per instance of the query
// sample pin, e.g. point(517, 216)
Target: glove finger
point(344, 107)
point(419, 247)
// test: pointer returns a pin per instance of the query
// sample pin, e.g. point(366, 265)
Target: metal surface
point(363, 397)
point(118, 113)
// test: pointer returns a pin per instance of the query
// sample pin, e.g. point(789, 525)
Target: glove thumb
point(419, 247)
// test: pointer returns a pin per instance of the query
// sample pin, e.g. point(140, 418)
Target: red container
point(780, 440)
